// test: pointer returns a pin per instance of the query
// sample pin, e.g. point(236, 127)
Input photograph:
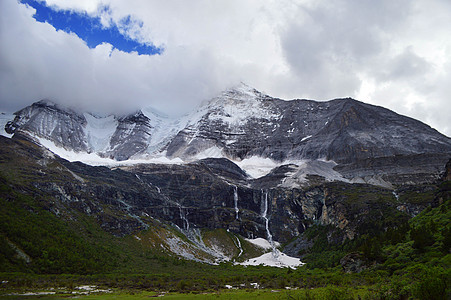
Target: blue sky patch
point(90, 29)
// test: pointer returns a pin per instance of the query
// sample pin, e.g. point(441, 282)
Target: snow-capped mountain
point(48, 120)
point(142, 133)
point(245, 125)
point(257, 166)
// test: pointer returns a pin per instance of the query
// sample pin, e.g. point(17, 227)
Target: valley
point(247, 194)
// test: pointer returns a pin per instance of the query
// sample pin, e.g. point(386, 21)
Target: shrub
point(431, 286)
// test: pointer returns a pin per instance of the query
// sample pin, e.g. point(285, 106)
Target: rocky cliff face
point(447, 174)
point(118, 137)
point(58, 124)
point(210, 193)
point(130, 137)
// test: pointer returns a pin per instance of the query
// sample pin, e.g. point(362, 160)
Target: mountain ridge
point(241, 124)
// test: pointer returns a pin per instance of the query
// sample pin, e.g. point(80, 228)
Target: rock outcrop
point(353, 263)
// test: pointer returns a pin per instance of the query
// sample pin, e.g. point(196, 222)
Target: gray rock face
point(243, 123)
point(131, 136)
point(60, 125)
point(116, 137)
point(447, 173)
point(398, 169)
point(211, 193)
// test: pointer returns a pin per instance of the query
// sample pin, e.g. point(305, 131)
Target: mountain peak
point(45, 102)
point(241, 91)
point(48, 104)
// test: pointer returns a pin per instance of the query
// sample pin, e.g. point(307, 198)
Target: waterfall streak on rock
point(128, 208)
point(235, 199)
point(238, 245)
point(264, 216)
point(183, 218)
point(148, 184)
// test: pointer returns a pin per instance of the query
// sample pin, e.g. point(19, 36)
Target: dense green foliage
point(410, 259)
point(49, 243)
point(380, 224)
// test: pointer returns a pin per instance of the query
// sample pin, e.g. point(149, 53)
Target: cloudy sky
point(113, 55)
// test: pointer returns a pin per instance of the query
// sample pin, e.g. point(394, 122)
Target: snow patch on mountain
point(257, 166)
point(94, 159)
point(262, 243)
point(212, 152)
point(237, 105)
point(280, 260)
point(275, 258)
point(163, 129)
point(88, 158)
point(297, 177)
point(99, 131)
point(306, 138)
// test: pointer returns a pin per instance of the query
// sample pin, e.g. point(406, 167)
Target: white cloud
point(392, 53)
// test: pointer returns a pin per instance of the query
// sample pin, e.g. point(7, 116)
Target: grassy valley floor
point(318, 293)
